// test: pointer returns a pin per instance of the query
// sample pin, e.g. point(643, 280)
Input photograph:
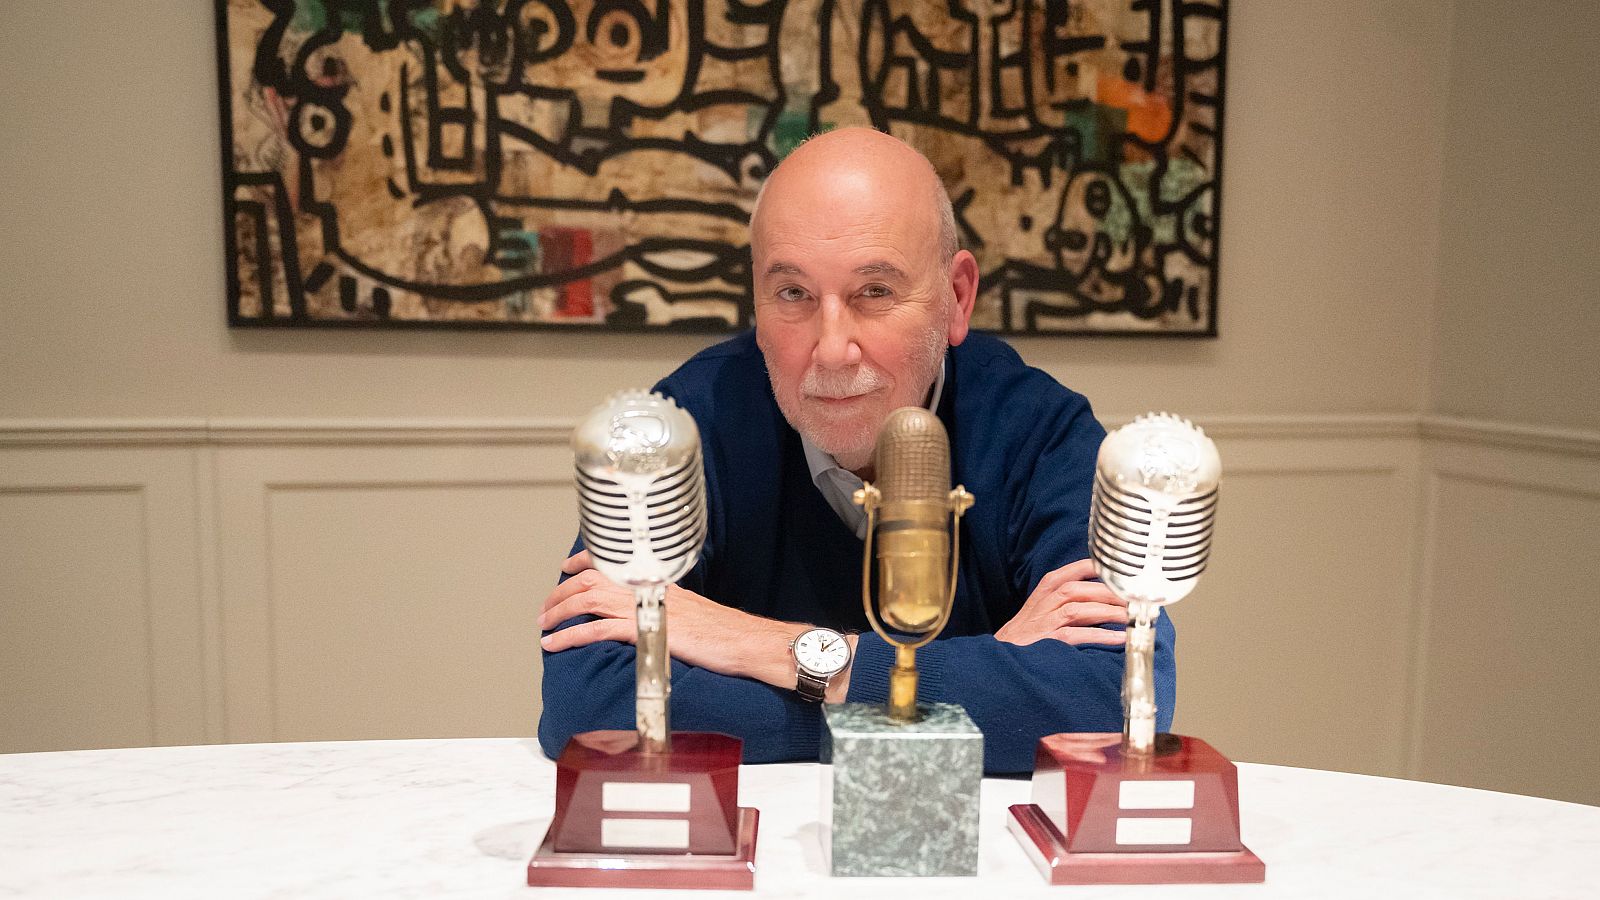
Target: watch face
point(821, 652)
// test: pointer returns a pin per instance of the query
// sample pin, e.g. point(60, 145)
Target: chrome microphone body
point(916, 514)
point(642, 516)
point(1150, 524)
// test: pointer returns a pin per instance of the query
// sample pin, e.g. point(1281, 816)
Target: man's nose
point(836, 344)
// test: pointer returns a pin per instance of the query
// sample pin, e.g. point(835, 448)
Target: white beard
point(851, 441)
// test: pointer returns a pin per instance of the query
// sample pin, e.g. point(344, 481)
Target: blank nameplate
point(645, 796)
point(1153, 831)
point(1154, 795)
point(669, 834)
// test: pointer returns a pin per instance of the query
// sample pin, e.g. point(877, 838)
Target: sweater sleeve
point(1017, 695)
point(592, 687)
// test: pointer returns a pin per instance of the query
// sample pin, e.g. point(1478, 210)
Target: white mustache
point(835, 385)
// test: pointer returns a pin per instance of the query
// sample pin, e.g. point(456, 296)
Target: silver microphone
point(642, 515)
point(1151, 517)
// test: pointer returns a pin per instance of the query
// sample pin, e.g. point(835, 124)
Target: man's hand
point(1066, 606)
point(700, 632)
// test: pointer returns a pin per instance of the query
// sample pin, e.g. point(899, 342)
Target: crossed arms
point(1050, 667)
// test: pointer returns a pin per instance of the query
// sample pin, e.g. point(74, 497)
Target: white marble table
point(459, 818)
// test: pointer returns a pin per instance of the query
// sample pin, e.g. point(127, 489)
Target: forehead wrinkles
point(823, 226)
point(851, 252)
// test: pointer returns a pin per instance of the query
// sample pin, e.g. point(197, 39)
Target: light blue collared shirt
point(838, 484)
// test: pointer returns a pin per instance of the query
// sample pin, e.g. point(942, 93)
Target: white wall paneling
point(1507, 679)
point(177, 581)
point(381, 578)
point(389, 587)
point(1292, 648)
point(184, 581)
point(100, 596)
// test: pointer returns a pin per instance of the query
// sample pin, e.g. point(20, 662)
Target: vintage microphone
point(929, 756)
point(1144, 811)
point(642, 515)
point(915, 516)
point(632, 811)
point(1150, 523)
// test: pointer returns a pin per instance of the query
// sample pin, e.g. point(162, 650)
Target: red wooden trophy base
point(1099, 817)
point(626, 818)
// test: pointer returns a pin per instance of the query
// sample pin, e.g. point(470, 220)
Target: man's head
point(859, 286)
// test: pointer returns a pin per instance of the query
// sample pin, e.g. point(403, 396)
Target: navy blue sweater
point(1021, 443)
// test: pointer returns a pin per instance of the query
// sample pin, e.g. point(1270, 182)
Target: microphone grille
point(1154, 507)
point(913, 456)
point(641, 488)
point(635, 432)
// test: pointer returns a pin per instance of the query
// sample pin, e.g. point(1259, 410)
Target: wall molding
point(1258, 426)
point(120, 432)
point(556, 430)
point(1513, 435)
point(271, 432)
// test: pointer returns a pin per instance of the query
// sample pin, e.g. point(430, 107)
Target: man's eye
point(876, 292)
point(791, 294)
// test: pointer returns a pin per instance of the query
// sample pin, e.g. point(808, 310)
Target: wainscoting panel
point(100, 627)
point(387, 591)
point(1292, 649)
point(1509, 681)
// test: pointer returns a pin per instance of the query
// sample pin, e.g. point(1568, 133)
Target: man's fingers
point(605, 600)
point(1079, 571)
point(585, 633)
point(1075, 636)
point(585, 580)
point(561, 592)
point(555, 615)
point(1073, 571)
point(577, 562)
point(1089, 592)
point(1094, 613)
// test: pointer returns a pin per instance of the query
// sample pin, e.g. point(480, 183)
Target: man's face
point(853, 312)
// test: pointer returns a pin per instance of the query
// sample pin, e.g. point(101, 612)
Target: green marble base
point(902, 798)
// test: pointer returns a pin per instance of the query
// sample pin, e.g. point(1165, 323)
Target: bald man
point(862, 304)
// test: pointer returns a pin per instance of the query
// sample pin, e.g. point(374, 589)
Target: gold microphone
point(918, 548)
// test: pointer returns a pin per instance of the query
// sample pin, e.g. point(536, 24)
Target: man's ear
point(964, 287)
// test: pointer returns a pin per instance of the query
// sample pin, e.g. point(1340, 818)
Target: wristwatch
point(819, 655)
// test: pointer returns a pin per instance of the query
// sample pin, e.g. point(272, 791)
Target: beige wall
point(1511, 513)
point(1520, 235)
point(213, 535)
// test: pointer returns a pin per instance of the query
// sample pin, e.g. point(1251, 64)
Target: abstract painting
point(592, 163)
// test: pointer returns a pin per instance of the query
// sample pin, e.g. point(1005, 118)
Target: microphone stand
point(652, 686)
point(902, 705)
point(1138, 683)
